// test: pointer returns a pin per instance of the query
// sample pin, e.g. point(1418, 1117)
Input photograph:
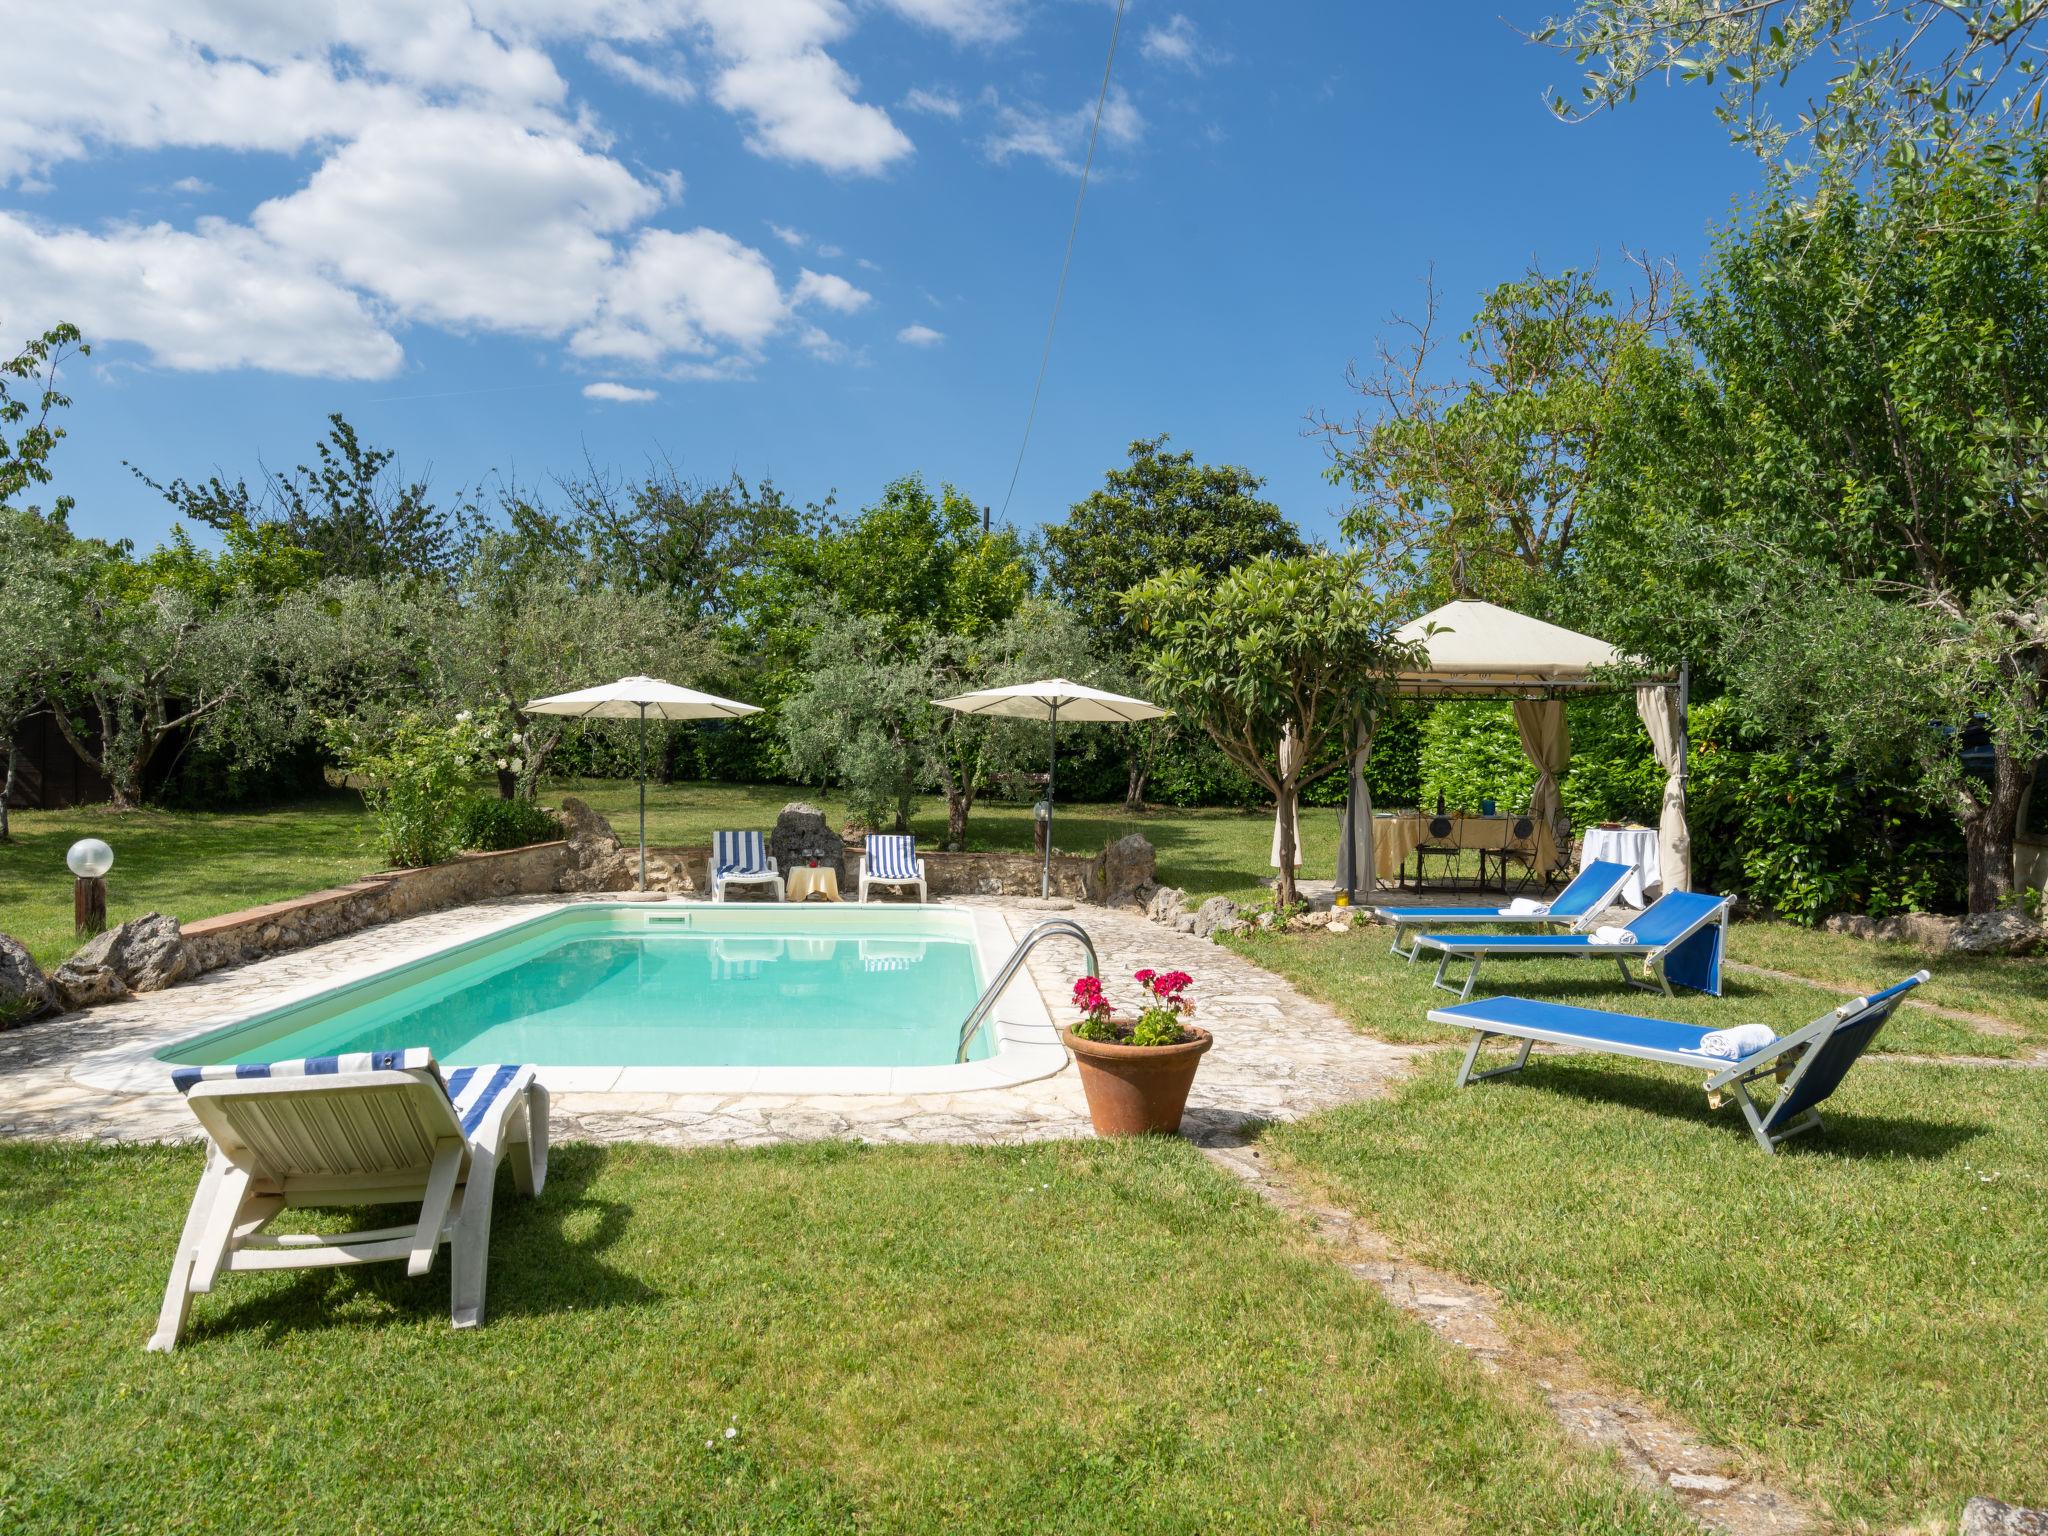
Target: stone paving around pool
point(1277, 1054)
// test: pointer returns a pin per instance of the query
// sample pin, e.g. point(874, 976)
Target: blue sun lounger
point(1679, 937)
point(1573, 908)
point(1810, 1063)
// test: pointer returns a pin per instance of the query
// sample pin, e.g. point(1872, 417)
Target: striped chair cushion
point(472, 1090)
point(738, 853)
point(892, 857)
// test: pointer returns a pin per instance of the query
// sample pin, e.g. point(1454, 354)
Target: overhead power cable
point(1067, 261)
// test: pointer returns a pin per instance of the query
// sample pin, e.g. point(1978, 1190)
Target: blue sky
point(809, 239)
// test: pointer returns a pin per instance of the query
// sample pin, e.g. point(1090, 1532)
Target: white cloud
point(465, 219)
point(939, 103)
point(670, 83)
point(803, 109)
point(965, 21)
point(1180, 43)
point(1061, 139)
point(795, 239)
point(218, 297)
point(831, 252)
point(618, 394)
point(450, 178)
point(830, 290)
point(920, 336)
point(691, 293)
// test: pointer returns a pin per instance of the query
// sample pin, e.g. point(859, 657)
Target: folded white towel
point(1612, 936)
point(1734, 1044)
point(1522, 906)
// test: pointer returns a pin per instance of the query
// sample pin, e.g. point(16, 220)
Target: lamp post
point(90, 859)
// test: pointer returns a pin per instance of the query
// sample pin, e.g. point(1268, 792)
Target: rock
point(1185, 923)
point(1266, 919)
point(581, 826)
point(1217, 909)
point(1854, 924)
point(1992, 1517)
point(1922, 929)
point(1228, 925)
point(1167, 904)
point(598, 861)
point(144, 954)
point(24, 993)
point(1124, 869)
point(1340, 921)
point(2006, 932)
point(801, 834)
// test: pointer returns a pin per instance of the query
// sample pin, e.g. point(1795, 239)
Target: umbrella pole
point(1051, 767)
point(643, 797)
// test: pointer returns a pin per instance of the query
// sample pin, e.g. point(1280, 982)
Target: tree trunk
point(959, 801)
point(7, 788)
point(508, 784)
point(1283, 886)
point(1990, 826)
point(1134, 785)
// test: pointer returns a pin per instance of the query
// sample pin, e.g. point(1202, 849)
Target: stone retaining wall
point(240, 936)
point(946, 874)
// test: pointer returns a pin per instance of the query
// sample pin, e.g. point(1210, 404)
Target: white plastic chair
point(741, 858)
point(374, 1128)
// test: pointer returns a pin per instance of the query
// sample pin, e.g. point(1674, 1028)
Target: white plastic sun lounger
point(891, 859)
point(1679, 937)
point(1575, 908)
point(374, 1128)
point(741, 858)
point(1810, 1063)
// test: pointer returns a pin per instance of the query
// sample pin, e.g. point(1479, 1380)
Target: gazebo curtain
point(1355, 869)
point(1547, 739)
point(1664, 718)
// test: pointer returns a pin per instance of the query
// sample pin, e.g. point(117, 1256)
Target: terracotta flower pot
point(1136, 1090)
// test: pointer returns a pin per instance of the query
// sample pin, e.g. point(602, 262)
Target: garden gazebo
point(1478, 650)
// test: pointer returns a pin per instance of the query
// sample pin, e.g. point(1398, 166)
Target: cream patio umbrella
point(1048, 699)
point(637, 698)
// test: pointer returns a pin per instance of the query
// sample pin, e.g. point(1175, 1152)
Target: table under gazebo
point(1478, 650)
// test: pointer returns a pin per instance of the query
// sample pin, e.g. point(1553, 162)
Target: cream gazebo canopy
point(1481, 648)
point(1478, 649)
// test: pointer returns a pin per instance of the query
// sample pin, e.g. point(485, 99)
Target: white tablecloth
point(1637, 848)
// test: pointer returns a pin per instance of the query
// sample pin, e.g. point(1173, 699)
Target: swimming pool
point(676, 996)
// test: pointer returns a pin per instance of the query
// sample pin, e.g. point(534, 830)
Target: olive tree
point(1282, 647)
point(1933, 81)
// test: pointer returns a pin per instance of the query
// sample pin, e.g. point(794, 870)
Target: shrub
point(1472, 752)
point(486, 823)
point(415, 775)
point(1613, 774)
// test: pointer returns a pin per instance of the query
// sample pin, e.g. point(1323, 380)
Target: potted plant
point(1137, 1071)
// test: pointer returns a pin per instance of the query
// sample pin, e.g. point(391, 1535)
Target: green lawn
point(192, 864)
point(1865, 1315)
point(1205, 852)
point(2012, 988)
point(1082, 1338)
point(1389, 998)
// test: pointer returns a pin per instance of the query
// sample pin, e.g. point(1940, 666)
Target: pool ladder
point(1052, 928)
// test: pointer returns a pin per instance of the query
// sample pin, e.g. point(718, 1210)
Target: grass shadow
point(546, 1259)
point(1844, 1132)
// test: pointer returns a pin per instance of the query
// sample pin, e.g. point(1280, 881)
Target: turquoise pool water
point(740, 986)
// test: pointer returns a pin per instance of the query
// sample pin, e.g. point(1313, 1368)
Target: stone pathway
point(1657, 1451)
point(1277, 1054)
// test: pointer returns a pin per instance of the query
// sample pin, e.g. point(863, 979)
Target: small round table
point(807, 883)
point(1637, 848)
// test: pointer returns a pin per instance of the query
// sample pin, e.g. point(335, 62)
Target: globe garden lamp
point(90, 859)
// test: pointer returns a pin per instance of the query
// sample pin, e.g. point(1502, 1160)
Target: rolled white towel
point(1734, 1044)
point(1612, 936)
point(1522, 906)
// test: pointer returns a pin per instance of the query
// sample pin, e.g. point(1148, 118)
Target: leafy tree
point(25, 456)
point(1161, 512)
point(694, 543)
point(351, 507)
point(1470, 474)
point(1934, 81)
point(1848, 487)
point(526, 623)
point(1280, 646)
point(145, 660)
point(36, 617)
